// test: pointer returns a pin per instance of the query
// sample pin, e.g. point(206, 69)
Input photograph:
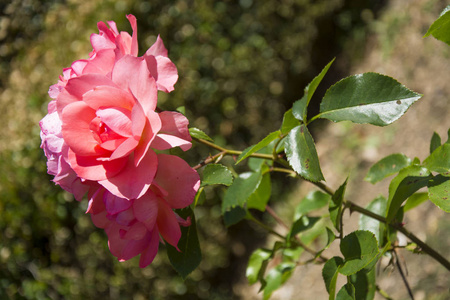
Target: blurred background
point(241, 65)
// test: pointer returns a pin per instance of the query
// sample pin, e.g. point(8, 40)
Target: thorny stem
point(400, 270)
point(352, 206)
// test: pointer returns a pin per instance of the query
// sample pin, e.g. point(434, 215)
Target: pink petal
point(78, 86)
point(125, 148)
point(114, 204)
point(125, 218)
point(137, 231)
point(134, 42)
point(157, 48)
point(132, 181)
point(117, 119)
point(107, 96)
point(112, 145)
point(96, 204)
point(175, 124)
point(134, 247)
point(76, 121)
point(90, 168)
point(78, 66)
point(167, 224)
point(102, 63)
point(100, 220)
point(178, 179)
point(148, 255)
point(166, 74)
point(152, 126)
point(165, 141)
point(131, 72)
point(146, 209)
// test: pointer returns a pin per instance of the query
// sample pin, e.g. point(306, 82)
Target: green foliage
point(440, 29)
point(387, 166)
point(216, 174)
point(300, 107)
point(330, 273)
point(335, 206)
point(359, 249)
point(250, 150)
point(439, 160)
point(199, 134)
point(415, 200)
point(313, 201)
point(301, 153)
point(189, 257)
point(347, 292)
point(407, 182)
point(261, 196)
point(368, 98)
point(435, 142)
point(257, 265)
point(377, 206)
point(276, 277)
point(364, 283)
point(289, 122)
point(439, 192)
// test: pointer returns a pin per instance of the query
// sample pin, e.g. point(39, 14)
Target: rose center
point(101, 131)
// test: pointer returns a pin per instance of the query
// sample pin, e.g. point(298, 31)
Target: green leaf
point(276, 277)
point(347, 292)
point(439, 160)
point(330, 273)
point(439, 192)
point(300, 108)
point(407, 182)
point(197, 133)
point(289, 122)
point(368, 98)
point(199, 197)
point(216, 174)
point(377, 206)
point(440, 29)
point(257, 265)
point(387, 166)
point(241, 189)
point(313, 201)
point(262, 194)
point(190, 256)
point(415, 200)
point(234, 215)
point(181, 109)
point(302, 155)
point(335, 207)
point(252, 149)
point(435, 142)
point(359, 249)
point(302, 224)
point(364, 282)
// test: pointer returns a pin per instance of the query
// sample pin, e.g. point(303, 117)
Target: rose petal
point(134, 41)
point(178, 179)
point(114, 204)
point(167, 224)
point(117, 119)
point(146, 209)
point(152, 126)
point(157, 48)
point(132, 181)
point(148, 255)
point(107, 96)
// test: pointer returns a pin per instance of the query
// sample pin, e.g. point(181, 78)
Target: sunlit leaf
point(435, 142)
point(234, 215)
point(313, 201)
point(216, 174)
point(302, 155)
point(347, 292)
point(368, 98)
point(276, 277)
point(364, 283)
point(302, 224)
point(199, 134)
point(387, 166)
point(407, 182)
point(262, 194)
point(359, 249)
point(300, 108)
point(335, 207)
point(440, 29)
point(330, 273)
point(190, 256)
point(255, 269)
point(439, 160)
point(377, 206)
point(289, 122)
point(415, 200)
point(250, 150)
point(439, 192)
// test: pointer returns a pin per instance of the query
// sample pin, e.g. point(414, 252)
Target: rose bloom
point(100, 135)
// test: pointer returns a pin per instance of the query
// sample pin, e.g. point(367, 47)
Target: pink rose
point(134, 226)
point(110, 45)
point(110, 125)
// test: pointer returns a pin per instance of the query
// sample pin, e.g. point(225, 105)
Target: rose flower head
point(101, 134)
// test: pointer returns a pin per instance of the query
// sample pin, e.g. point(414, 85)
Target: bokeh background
point(241, 65)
